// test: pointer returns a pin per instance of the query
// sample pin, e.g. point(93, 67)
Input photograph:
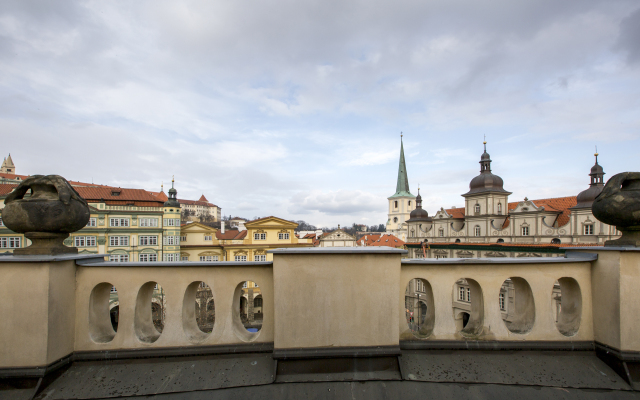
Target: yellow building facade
point(202, 243)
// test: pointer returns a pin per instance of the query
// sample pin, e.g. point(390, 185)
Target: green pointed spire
point(402, 187)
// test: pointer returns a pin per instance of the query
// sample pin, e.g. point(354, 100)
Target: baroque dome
point(486, 181)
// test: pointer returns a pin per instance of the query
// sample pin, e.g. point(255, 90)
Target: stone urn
point(619, 204)
point(46, 217)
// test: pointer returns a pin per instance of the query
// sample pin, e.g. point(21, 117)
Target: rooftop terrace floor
point(442, 374)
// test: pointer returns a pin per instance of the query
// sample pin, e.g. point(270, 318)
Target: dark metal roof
point(448, 374)
point(486, 181)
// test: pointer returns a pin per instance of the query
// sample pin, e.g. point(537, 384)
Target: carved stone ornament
point(619, 204)
point(53, 210)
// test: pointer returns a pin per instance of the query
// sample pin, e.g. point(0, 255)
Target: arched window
point(500, 240)
point(409, 203)
point(477, 209)
point(457, 241)
point(395, 219)
point(476, 231)
point(556, 241)
point(499, 208)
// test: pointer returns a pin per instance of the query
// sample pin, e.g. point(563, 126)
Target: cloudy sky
point(295, 108)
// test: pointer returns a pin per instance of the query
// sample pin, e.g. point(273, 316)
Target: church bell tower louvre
point(402, 202)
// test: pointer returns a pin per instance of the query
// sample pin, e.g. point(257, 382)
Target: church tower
point(171, 226)
point(402, 202)
point(7, 166)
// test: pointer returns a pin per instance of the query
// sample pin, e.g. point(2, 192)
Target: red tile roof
point(556, 204)
point(196, 203)
point(7, 188)
point(13, 176)
point(202, 198)
point(108, 194)
point(456, 212)
point(387, 240)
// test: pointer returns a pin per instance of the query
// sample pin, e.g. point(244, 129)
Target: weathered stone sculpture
point(619, 204)
point(53, 210)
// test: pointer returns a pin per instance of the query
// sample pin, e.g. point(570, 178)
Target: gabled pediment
point(526, 206)
point(196, 227)
point(270, 222)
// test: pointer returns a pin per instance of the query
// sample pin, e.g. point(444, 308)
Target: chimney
point(222, 227)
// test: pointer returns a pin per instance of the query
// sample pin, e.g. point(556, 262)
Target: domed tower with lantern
point(486, 201)
point(171, 226)
point(419, 223)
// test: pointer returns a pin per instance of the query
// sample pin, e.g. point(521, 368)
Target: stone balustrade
point(316, 302)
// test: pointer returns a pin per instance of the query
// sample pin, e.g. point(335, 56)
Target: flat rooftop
point(441, 374)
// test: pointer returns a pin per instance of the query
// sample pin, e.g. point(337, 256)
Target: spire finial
point(485, 143)
point(172, 180)
point(401, 135)
point(162, 186)
point(596, 154)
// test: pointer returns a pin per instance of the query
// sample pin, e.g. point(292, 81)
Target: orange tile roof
point(456, 212)
point(387, 240)
point(7, 188)
point(202, 198)
point(13, 176)
point(556, 204)
point(369, 239)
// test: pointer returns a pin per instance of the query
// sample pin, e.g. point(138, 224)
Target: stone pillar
point(336, 301)
point(38, 313)
point(250, 305)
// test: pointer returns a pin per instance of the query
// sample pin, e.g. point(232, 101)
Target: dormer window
point(525, 231)
point(588, 229)
point(115, 192)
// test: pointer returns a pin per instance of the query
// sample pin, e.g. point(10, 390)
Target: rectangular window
point(118, 240)
point(461, 294)
point(85, 241)
point(118, 221)
point(113, 289)
point(171, 257)
point(501, 300)
point(440, 256)
point(147, 222)
point(260, 236)
point(525, 231)
point(441, 232)
point(260, 258)
point(282, 236)
point(184, 258)
point(172, 222)
point(148, 257)
point(469, 294)
point(588, 229)
point(92, 222)
point(119, 257)
point(148, 240)
point(208, 238)
point(171, 240)
point(183, 238)
point(10, 242)
point(208, 258)
point(241, 258)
